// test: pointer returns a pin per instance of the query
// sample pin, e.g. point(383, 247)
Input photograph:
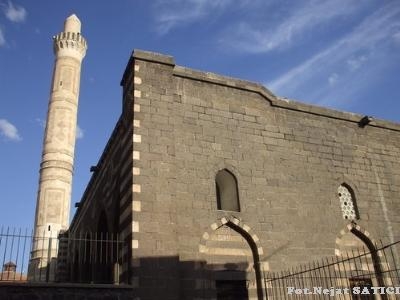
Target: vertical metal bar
point(101, 247)
point(96, 243)
point(342, 272)
point(288, 280)
point(80, 257)
point(276, 285)
point(23, 253)
point(385, 261)
point(1, 239)
point(370, 274)
point(106, 248)
point(302, 277)
point(41, 256)
point(112, 249)
point(279, 284)
point(338, 276)
point(396, 269)
point(5, 250)
point(84, 248)
point(17, 255)
point(11, 250)
point(31, 255)
point(312, 282)
point(48, 259)
point(57, 258)
point(320, 278)
point(327, 273)
point(284, 284)
point(271, 282)
point(298, 277)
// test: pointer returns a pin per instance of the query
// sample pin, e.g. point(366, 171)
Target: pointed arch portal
point(232, 253)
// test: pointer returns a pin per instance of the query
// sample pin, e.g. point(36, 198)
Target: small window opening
point(227, 191)
point(347, 202)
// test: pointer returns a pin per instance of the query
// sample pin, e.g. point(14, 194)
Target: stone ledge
point(276, 101)
point(153, 57)
point(64, 285)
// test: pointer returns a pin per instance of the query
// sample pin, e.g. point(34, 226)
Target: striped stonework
point(136, 171)
point(354, 241)
point(125, 192)
point(229, 241)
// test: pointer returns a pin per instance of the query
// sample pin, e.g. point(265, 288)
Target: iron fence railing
point(88, 257)
point(14, 253)
point(358, 274)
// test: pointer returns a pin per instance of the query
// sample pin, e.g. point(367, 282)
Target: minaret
point(56, 168)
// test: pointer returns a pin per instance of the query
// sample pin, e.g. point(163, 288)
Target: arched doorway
point(102, 259)
point(361, 258)
point(232, 256)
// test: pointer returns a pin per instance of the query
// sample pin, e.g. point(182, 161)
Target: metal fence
point(14, 253)
point(359, 274)
point(60, 257)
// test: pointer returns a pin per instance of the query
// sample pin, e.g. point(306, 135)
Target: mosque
point(211, 181)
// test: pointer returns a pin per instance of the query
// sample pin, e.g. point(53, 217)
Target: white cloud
point(333, 79)
point(304, 19)
point(9, 131)
point(356, 62)
point(170, 14)
point(372, 33)
point(2, 38)
point(79, 132)
point(15, 13)
point(41, 122)
point(396, 37)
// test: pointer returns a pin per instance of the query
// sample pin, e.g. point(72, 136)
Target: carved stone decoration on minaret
point(56, 168)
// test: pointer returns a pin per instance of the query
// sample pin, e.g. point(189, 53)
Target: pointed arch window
point(227, 191)
point(347, 202)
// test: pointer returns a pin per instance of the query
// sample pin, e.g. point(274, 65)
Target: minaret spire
point(56, 168)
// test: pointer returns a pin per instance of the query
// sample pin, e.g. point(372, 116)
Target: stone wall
point(25, 291)
point(288, 158)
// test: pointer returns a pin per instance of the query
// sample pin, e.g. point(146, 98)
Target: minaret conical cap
point(72, 24)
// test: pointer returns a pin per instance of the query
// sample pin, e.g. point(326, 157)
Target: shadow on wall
point(170, 278)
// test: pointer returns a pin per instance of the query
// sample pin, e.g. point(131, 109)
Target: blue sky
point(342, 54)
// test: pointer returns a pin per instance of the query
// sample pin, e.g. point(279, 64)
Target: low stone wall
point(52, 291)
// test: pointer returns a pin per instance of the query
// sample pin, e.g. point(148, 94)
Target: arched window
point(347, 202)
point(227, 191)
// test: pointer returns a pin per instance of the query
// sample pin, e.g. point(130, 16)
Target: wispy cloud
point(267, 36)
point(2, 38)
point(172, 13)
point(15, 13)
point(9, 131)
point(355, 63)
point(333, 79)
point(41, 122)
point(79, 132)
point(370, 38)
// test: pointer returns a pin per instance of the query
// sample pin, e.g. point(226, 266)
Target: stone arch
point(369, 245)
point(253, 243)
point(353, 228)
